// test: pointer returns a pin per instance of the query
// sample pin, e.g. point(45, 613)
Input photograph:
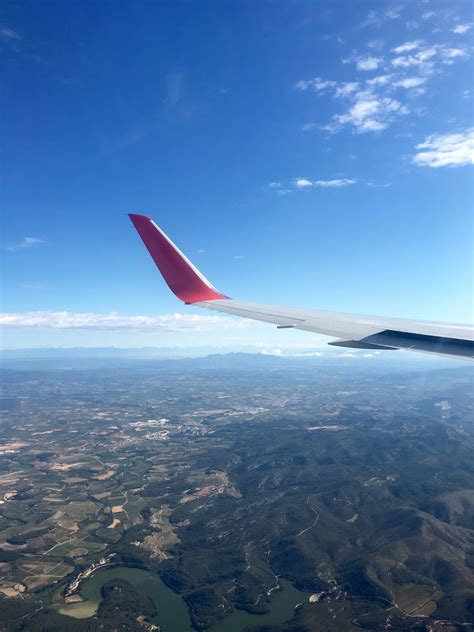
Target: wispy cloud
point(372, 105)
point(406, 47)
point(369, 112)
point(26, 242)
point(375, 44)
point(305, 183)
point(381, 185)
point(279, 188)
point(9, 33)
point(17, 47)
point(113, 321)
point(302, 183)
point(462, 29)
point(317, 84)
point(367, 108)
point(426, 57)
point(380, 80)
point(453, 53)
point(338, 182)
point(368, 62)
point(410, 82)
point(446, 150)
point(422, 58)
point(174, 89)
point(376, 18)
point(345, 89)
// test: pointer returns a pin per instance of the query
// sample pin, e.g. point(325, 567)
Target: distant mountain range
point(206, 357)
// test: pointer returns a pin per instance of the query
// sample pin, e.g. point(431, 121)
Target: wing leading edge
point(356, 331)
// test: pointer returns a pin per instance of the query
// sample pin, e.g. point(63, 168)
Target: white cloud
point(427, 53)
point(461, 29)
point(425, 58)
point(305, 183)
point(317, 84)
point(452, 53)
point(26, 242)
point(410, 82)
point(278, 188)
point(381, 185)
point(376, 44)
point(113, 321)
point(404, 62)
point(341, 182)
point(309, 354)
point(302, 183)
point(368, 63)
point(308, 127)
point(376, 18)
point(372, 18)
point(370, 113)
point(344, 89)
point(427, 15)
point(376, 103)
point(364, 108)
point(406, 47)
point(271, 352)
point(381, 80)
point(302, 84)
point(446, 150)
point(392, 14)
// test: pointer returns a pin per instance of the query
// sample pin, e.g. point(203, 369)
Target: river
point(173, 615)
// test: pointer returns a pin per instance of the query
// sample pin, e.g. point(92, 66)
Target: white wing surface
point(356, 331)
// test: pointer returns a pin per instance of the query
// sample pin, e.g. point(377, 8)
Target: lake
point(173, 615)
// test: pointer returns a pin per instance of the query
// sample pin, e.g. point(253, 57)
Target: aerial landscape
point(255, 491)
point(236, 326)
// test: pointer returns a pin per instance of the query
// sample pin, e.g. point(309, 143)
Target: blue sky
point(316, 154)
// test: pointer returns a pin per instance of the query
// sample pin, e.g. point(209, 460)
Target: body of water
point(173, 615)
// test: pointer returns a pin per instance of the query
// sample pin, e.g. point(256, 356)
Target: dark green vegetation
point(354, 483)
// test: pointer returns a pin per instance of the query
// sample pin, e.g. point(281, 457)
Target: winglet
point(183, 279)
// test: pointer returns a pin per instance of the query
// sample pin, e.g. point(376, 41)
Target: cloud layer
point(113, 321)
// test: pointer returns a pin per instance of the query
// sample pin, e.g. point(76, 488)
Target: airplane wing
point(356, 331)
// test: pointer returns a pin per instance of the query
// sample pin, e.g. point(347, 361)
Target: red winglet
point(183, 279)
